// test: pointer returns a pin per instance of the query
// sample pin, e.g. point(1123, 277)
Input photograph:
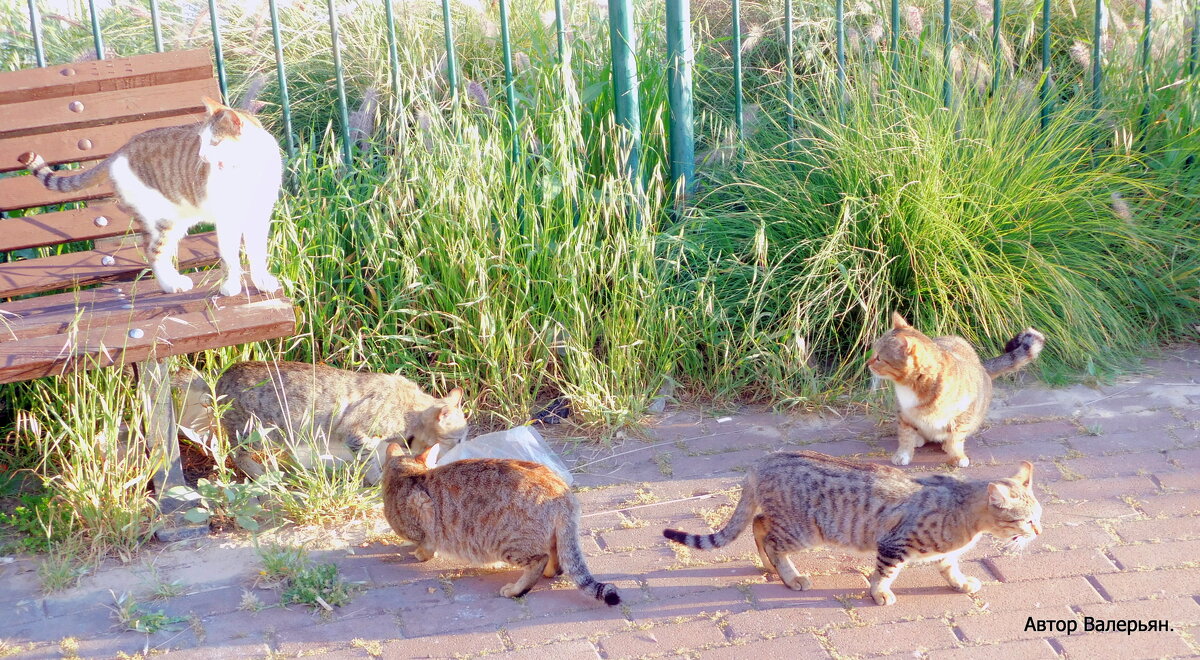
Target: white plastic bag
point(522, 443)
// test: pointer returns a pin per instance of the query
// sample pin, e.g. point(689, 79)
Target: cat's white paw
point(884, 597)
point(510, 590)
point(175, 283)
point(231, 286)
point(970, 585)
point(901, 458)
point(799, 583)
point(963, 462)
point(266, 283)
point(424, 555)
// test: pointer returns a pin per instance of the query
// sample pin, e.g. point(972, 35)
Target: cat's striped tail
point(570, 558)
point(86, 179)
point(737, 522)
point(1018, 352)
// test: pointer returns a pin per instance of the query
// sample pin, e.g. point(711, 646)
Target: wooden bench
point(96, 305)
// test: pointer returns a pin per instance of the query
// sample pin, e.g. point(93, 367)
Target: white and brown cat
point(942, 388)
point(225, 170)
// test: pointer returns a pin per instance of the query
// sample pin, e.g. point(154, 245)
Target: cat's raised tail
point(737, 522)
point(86, 179)
point(570, 557)
point(1018, 352)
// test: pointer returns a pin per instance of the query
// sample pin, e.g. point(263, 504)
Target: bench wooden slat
point(140, 301)
point(64, 226)
point(26, 192)
point(64, 146)
point(126, 73)
point(75, 269)
point(105, 108)
point(102, 340)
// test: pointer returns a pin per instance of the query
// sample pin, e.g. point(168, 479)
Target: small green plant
point(63, 565)
point(36, 522)
point(132, 616)
point(219, 501)
point(318, 586)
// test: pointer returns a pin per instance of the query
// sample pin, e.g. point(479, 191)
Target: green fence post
point(156, 24)
point(343, 112)
point(97, 39)
point(284, 99)
point(789, 40)
point(451, 65)
point(739, 121)
point(679, 91)
point(625, 82)
point(839, 19)
point(510, 92)
point(1195, 54)
point(560, 32)
point(996, 11)
point(1145, 114)
point(1044, 88)
point(947, 48)
point(214, 20)
point(895, 36)
point(393, 54)
point(1097, 54)
point(35, 28)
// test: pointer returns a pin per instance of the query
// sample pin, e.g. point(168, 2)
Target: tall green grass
point(437, 255)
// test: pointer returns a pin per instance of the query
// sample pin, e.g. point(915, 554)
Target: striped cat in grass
point(797, 500)
point(942, 388)
point(487, 510)
point(225, 170)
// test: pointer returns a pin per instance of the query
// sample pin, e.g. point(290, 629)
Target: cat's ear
point(998, 495)
point(454, 398)
point(395, 449)
point(1025, 474)
point(898, 322)
point(429, 456)
point(212, 106)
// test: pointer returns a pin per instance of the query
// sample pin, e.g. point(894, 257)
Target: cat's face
point(898, 351)
point(444, 424)
point(1016, 513)
point(223, 125)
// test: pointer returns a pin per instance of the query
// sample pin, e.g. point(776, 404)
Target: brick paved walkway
point(1117, 470)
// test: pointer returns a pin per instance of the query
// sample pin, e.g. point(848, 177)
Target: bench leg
point(154, 390)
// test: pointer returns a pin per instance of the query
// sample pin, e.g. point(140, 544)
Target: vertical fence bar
point(997, 9)
point(1044, 89)
point(560, 31)
point(339, 76)
point(284, 99)
point(215, 20)
point(510, 92)
point(679, 92)
point(737, 69)
point(97, 39)
point(1145, 116)
point(35, 28)
point(1194, 58)
point(451, 63)
point(625, 81)
point(789, 40)
point(1097, 54)
point(947, 48)
point(839, 19)
point(895, 35)
point(156, 25)
point(393, 53)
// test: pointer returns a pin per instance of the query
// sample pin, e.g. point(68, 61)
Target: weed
point(38, 525)
point(132, 616)
point(300, 581)
point(69, 647)
point(372, 648)
point(250, 602)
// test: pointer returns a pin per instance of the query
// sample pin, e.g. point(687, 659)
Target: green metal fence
point(681, 56)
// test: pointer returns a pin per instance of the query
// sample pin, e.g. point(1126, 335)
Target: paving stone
point(921, 593)
point(1166, 529)
point(1156, 555)
point(1030, 649)
point(465, 615)
point(1178, 611)
point(995, 627)
point(576, 650)
point(1107, 488)
point(667, 638)
point(338, 634)
point(453, 645)
point(389, 600)
point(1173, 504)
point(1119, 646)
point(1014, 453)
point(845, 447)
point(1115, 466)
point(87, 623)
point(825, 593)
point(562, 596)
point(1150, 584)
point(642, 537)
point(906, 637)
point(1123, 443)
point(1006, 597)
point(1050, 565)
point(667, 584)
point(1146, 422)
point(1086, 511)
point(1003, 434)
point(708, 603)
point(778, 648)
point(1071, 537)
point(252, 627)
point(716, 464)
point(589, 623)
point(787, 621)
